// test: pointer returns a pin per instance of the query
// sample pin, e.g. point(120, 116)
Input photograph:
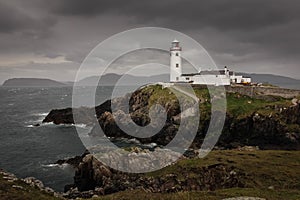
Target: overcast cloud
point(50, 39)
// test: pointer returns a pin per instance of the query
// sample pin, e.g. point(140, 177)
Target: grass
point(242, 105)
point(8, 192)
point(215, 195)
point(237, 107)
point(279, 169)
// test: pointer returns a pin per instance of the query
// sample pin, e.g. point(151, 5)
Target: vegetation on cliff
point(270, 122)
point(273, 175)
point(14, 188)
point(268, 174)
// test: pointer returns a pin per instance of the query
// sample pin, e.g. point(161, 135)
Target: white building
point(222, 77)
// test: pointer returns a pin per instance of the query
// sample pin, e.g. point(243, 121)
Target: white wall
point(236, 79)
point(211, 79)
point(246, 80)
point(175, 71)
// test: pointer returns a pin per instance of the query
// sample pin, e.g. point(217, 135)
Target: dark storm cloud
point(246, 33)
point(225, 14)
point(13, 19)
point(272, 25)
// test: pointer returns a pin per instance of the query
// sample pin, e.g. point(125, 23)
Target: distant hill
point(32, 82)
point(111, 79)
point(281, 81)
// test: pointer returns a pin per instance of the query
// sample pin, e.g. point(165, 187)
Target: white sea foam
point(41, 114)
point(51, 165)
point(47, 124)
point(80, 125)
point(151, 145)
point(34, 124)
point(54, 165)
point(36, 120)
point(31, 124)
point(76, 125)
point(133, 140)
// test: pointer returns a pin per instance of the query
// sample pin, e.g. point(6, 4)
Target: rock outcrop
point(18, 183)
point(275, 127)
point(94, 178)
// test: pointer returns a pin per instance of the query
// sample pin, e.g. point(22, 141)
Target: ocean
point(27, 150)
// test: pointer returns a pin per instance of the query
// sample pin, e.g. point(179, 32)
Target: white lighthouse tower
point(175, 62)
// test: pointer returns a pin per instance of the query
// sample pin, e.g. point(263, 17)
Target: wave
point(14, 90)
point(55, 165)
point(30, 126)
point(133, 141)
point(41, 114)
point(35, 124)
point(80, 125)
point(37, 119)
point(51, 165)
point(151, 145)
point(75, 125)
point(39, 124)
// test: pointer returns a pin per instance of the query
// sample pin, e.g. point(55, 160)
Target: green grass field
point(8, 191)
point(278, 169)
point(264, 169)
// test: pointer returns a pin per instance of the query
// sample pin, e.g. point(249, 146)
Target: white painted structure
point(222, 77)
point(175, 62)
point(234, 79)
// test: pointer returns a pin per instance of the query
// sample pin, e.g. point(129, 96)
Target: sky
point(50, 39)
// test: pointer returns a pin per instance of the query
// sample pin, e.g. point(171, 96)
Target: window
point(177, 54)
point(177, 65)
point(187, 79)
point(177, 78)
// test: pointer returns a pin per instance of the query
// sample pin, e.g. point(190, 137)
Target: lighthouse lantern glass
point(175, 44)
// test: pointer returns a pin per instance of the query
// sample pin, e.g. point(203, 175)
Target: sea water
point(27, 150)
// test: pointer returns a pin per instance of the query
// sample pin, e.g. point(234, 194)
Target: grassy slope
point(280, 169)
point(238, 106)
point(7, 192)
point(215, 195)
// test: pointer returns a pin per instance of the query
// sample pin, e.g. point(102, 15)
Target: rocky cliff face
point(93, 176)
point(269, 122)
point(12, 187)
point(272, 124)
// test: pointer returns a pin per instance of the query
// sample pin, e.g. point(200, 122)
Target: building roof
point(191, 74)
point(212, 72)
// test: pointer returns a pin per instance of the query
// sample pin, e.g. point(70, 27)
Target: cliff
point(222, 174)
point(264, 117)
point(15, 188)
point(32, 82)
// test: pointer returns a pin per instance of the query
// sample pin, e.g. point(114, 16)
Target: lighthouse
point(210, 77)
point(175, 62)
